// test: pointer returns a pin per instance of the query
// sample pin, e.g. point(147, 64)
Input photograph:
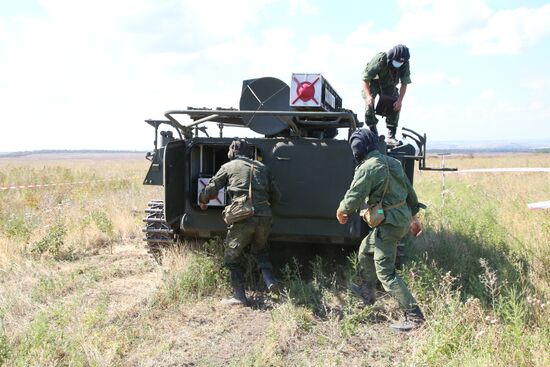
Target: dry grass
point(77, 289)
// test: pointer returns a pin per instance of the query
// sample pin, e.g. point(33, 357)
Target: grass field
point(78, 289)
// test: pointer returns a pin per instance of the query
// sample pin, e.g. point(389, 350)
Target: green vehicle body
point(312, 172)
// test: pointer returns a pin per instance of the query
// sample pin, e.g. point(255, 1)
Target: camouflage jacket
point(235, 174)
point(378, 70)
point(368, 185)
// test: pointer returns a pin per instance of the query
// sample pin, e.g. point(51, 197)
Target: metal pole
point(200, 160)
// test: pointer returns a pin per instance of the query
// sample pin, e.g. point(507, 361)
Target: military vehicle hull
point(311, 168)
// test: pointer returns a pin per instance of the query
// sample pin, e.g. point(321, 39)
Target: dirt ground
point(206, 333)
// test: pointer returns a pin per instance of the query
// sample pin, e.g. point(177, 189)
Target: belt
point(394, 205)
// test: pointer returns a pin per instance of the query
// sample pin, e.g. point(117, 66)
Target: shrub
point(51, 243)
point(17, 227)
point(4, 347)
point(200, 275)
point(101, 220)
point(48, 343)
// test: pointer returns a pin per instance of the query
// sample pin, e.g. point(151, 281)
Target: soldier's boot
point(238, 299)
point(414, 318)
point(270, 281)
point(239, 295)
point(415, 315)
point(391, 139)
point(366, 291)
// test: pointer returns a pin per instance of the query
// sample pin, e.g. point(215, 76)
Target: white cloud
point(232, 52)
point(302, 8)
point(487, 94)
point(3, 32)
point(275, 54)
point(511, 31)
point(538, 84)
point(445, 21)
point(435, 78)
point(373, 41)
point(474, 24)
point(97, 69)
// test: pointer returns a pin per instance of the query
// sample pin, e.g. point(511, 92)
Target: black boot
point(238, 299)
point(415, 315)
point(269, 280)
point(366, 291)
point(414, 318)
point(391, 140)
point(237, 282)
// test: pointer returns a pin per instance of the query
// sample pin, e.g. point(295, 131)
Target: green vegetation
point(16, 226)
point(4, 347)
point(101, 220)
point(475, 275)
point(197, 274)
point(76, 288)
point(51, 243)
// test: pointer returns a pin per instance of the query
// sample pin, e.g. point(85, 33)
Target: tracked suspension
point(158, 235)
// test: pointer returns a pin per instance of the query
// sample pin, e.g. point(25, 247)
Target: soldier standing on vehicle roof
point(380, 77)
point(378, 250)
point(236, 175)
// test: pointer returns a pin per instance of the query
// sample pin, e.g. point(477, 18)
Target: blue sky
point(85, 74)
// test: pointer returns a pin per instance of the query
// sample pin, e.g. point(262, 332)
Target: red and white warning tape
point(63, 184)
point(540, 205)
point(490, 170)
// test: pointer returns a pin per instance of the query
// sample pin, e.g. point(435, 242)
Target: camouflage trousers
point(370, 115)
point(253, 233)
point(377, 261)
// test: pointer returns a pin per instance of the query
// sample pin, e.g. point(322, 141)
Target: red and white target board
point(313, 92)
point(218, 201)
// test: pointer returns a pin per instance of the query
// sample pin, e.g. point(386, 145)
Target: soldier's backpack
point(384, 107)
point(374, 214)
point(241, 207)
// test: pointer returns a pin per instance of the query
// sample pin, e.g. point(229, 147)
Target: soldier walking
point(238, 174)
point(379, 178)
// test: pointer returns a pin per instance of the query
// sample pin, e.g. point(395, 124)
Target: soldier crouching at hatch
point(378, 250)
point(380, 77)
point(237, 174)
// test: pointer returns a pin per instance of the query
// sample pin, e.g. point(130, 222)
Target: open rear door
point(175, 180)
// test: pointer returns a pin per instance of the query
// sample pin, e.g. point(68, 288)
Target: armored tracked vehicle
point(296, 136)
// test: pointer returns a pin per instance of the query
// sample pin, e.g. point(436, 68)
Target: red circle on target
point(305, 91)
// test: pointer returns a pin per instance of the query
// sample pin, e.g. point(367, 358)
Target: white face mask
point(396, 64)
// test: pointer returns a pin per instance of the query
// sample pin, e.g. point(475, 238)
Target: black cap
point(399, 53)
point(238, 147)
point(362, 142)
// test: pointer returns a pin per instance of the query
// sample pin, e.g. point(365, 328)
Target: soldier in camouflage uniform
point(381, 76)
point(253, 231)
point(378, 250)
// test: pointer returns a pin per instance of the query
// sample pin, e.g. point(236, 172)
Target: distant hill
point(434, 147)
point(81, 151)
point(539, 146)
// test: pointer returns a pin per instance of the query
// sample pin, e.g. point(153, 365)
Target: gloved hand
point(415, 228)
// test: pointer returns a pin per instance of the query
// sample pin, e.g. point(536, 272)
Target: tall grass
point(482, 276)
point(42, 230)
point(63, 222)
point(480, 272)
point(193, 271)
